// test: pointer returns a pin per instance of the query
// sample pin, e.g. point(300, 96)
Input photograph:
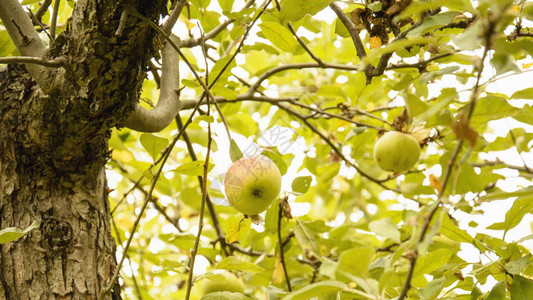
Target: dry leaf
point(375, 42)
point(463, 131)
point(527, 66)
point(278, 274)
point(434, 182)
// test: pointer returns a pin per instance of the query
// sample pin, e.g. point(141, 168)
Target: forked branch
point(27, 40)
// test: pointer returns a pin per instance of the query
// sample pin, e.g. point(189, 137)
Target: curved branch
point(26, 39)
point(168, 105)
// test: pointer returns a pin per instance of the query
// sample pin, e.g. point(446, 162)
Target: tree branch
point(168, 104)
point(210, 206)
point(335, 148)
point(354, 33)
point(42, 10)
point(27, 40)
point(54, 20)
point(33, 60)
point(451, 162)
point(202, 208)
point(282, 244)
point(148, 196)
point(189, 43)
point(192, 42)
point(286, 67)
point(173, 18)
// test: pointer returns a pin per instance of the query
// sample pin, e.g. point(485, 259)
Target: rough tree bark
point(53, 149)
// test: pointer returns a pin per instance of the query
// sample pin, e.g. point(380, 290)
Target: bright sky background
point(494, 211)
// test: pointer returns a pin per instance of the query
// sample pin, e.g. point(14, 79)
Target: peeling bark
point(54, 149)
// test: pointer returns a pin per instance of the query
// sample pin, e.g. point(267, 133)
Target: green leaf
point(386, 228)
point(234, 263)
point(201, 3)
point(226, 5)
point(521, 206)
point(375, 6)
point(236, 229)
point(526, 93)
point(470, 38)
point(316, 289)
point(451, 231)
point(503, 63)
point(415, 106)
point(432, 290)
point(277, 159)
point(516, 266)
point(396, 45)
point(504, 195)
point(340, 29)
point(432, 261)
point(432, 23)
point(153, 144)
point(355, 261)
point(294, 10)
point(307, 239)
point(219, 66)
point(26, 2)
point(467, 180)
point(497, 226)
point(193, 168)
point(206, 118)
point(7, 48)
point(498, 292)
point(280, 36)
point(12, 233)
point(420, 6)
point(521, 288)
point(301, 184)
point(234, 151)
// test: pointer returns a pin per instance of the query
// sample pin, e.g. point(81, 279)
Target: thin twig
point(210, 206)
point(55, 63)
point(451, 162)
point(335, 148)
point(137, 289)
point(421, 65)
point(304, 45)
point(38, 22)
point(498, 162)
point(286, 67)
point(54, 19)
point(145, 204)
point(192, 42)
point(204, 199)
point(282, 244)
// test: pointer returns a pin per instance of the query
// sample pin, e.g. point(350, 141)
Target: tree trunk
point(53, 150)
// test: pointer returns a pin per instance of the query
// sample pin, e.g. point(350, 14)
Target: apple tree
point(119, 120)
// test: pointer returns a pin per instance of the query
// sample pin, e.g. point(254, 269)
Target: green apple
point(222, 281)
point(252, 184)
point(396, 151)
point(225, 296)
